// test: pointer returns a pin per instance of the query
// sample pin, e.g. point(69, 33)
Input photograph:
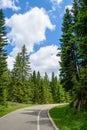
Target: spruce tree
point(3, 56)
point(74, 39)
point(66, 71)
point(73, 72)
point(25, 64)
point(36, 87)
point(20, 76)
point(47, 90)
point(39, 89)
point(33, 86)
point(69, 72)
point(54, 87)
point(81, 32)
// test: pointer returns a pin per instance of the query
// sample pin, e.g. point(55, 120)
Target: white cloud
point(10, 61)
point(55, 4)
point(56, 1)
point(28, 29)
point(68, 7)
point(45, 60)
point(9, 4)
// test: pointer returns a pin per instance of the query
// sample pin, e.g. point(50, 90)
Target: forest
point(73, 72)
point(24, 86)
point(21, 84)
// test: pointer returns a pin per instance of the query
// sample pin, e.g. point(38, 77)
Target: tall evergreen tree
point(75, 10)
point(66, 71)
point(81, 32)
point(47, 90)
point(33, 79)
point(25, 64)
point(73, 53)
point(54, 88)
point(39, 89)
point(36, 87)
point(20, 76)
point(3, 56)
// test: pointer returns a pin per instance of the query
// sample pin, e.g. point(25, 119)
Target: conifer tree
point(74, 39)
point(47, 90)
point(3, 56)
point(33, 86)
point(73, 72)
point(54, 87)
point(36, 88)
point(20, 76)
point(25, 64)
point(81, 32)
point(66, 71)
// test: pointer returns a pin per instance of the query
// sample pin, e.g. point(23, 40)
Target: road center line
point(38, 120)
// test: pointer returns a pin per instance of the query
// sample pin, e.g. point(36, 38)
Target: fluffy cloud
point(28, 28)
point(45, 60)
point(10, 62)
point(9, 4)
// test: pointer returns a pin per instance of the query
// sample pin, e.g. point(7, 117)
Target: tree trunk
point(81, 101)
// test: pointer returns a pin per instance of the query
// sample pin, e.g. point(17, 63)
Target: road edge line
point(6, 115)
point(52, 122)
point(12, 112)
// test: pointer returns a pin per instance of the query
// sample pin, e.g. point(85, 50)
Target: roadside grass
point(67, 118)
point(11, 106)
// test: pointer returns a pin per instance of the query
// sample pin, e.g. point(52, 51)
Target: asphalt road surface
point(31, 118)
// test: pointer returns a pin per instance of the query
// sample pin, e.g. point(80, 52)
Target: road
point(31, 118)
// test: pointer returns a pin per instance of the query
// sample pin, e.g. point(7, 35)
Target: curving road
point(32, 118)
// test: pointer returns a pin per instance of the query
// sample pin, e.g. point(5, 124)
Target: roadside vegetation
point(73, 46)
point(11, 106)
point(67, 118)
point(73, 72)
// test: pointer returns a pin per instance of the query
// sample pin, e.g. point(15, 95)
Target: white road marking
point(38, 120)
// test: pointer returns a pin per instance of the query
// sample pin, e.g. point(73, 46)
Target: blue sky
point(37, 24)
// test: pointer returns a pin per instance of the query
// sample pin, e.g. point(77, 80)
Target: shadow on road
point(31, 112)
point(44, 121)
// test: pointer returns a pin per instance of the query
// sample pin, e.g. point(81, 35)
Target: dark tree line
point(73, 72)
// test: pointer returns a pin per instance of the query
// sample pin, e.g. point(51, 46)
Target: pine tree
point(3, 56)
point(62, 94)
point(47, 90)
point(81, 32)
point(36, 88)
point(33, 86)
point(54, 87)
point(75, 10)
point(39, 89)
point(25, 64)
point(20, 76)
point(66, 71)
point(73, 72)
point(69, 72)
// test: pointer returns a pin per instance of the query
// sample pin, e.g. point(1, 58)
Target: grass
point(11, 106)
point(67, 118)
